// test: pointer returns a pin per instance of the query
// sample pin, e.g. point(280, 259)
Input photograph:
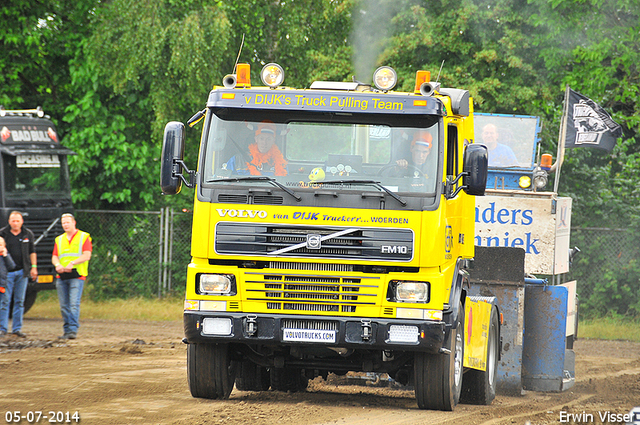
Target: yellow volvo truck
point(332, 231)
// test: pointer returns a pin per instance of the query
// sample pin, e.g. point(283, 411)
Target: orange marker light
point(545, 161)
point(421, 77)
point(243, 75)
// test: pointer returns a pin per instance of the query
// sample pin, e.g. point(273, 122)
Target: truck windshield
point(510, 139)
point(309, 152)
point(34, 175)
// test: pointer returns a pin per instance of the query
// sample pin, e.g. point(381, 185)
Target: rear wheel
point(479, 386)
point(252, 377)
point(288, 380)
point(210, 371)
point(438, 377)
point(29, 300)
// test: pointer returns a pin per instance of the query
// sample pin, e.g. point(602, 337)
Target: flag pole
point(561, 140)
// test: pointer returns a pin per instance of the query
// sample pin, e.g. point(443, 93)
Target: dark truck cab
point(34, 179)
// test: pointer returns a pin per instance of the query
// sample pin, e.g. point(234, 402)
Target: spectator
point(71, 255)
point(6, 263)
point(499, 155)
point(19, 243)
point(264, 156)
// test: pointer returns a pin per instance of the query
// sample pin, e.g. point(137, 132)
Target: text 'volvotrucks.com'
point(35, 181)
point(334, 232)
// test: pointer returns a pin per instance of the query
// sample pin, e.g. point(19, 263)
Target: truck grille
point(292, 241)
point(312, 325)
point(250, 199)
point(289, 292)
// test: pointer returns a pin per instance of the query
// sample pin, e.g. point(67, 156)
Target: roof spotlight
point(272, 75)
point(385, 78)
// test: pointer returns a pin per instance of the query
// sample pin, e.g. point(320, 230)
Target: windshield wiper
point(371, 182)
point(258, 178)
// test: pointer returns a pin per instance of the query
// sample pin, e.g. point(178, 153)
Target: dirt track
point(107, 378)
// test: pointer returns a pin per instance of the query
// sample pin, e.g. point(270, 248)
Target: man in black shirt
point(20, 245)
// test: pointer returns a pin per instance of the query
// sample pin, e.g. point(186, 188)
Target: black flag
point(588, 125)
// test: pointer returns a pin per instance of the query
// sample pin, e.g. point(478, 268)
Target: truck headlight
point(216, 283)
point(410, 291)
point(539, 178)
point(385, 78)
point(272, 75)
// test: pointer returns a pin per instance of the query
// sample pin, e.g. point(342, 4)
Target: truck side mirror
point(172, 154)
point(476, 160)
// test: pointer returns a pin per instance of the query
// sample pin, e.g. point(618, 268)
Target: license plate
point(47, 278)
point(308, 335)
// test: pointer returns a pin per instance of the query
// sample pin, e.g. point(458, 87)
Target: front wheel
point(438, 377)
point(210, 372)
point(479, 386)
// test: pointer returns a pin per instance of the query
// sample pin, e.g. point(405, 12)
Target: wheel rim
point(457, 365)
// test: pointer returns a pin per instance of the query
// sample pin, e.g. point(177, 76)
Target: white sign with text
point(540, 224)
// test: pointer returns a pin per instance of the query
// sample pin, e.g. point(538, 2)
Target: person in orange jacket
point(265, 157)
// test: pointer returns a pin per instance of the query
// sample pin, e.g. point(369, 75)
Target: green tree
point(482, 46)
point(594, 47)
point(146, 63)
point(37, 40)
point(308, 38)
point(597, 55)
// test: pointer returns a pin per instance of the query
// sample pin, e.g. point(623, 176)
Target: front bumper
point(350, 332)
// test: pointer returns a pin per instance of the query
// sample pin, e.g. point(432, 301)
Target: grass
point(46, 306)
point(166, 309)
point(611, 328)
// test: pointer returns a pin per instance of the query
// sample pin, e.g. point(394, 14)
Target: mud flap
point(546, 363)
point(499, 272)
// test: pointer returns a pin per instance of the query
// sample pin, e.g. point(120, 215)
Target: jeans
point(69, 295)
point(16, 289)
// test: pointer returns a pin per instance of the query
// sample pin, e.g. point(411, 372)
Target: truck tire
point(210, 371)
point(290, 379)
point(29, 300)
point(252, 377)
point(438, 377)
point(479, 386)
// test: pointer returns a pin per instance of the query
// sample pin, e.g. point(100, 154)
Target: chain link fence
point(137, 253)
point(607, 270)
point(145, 253)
